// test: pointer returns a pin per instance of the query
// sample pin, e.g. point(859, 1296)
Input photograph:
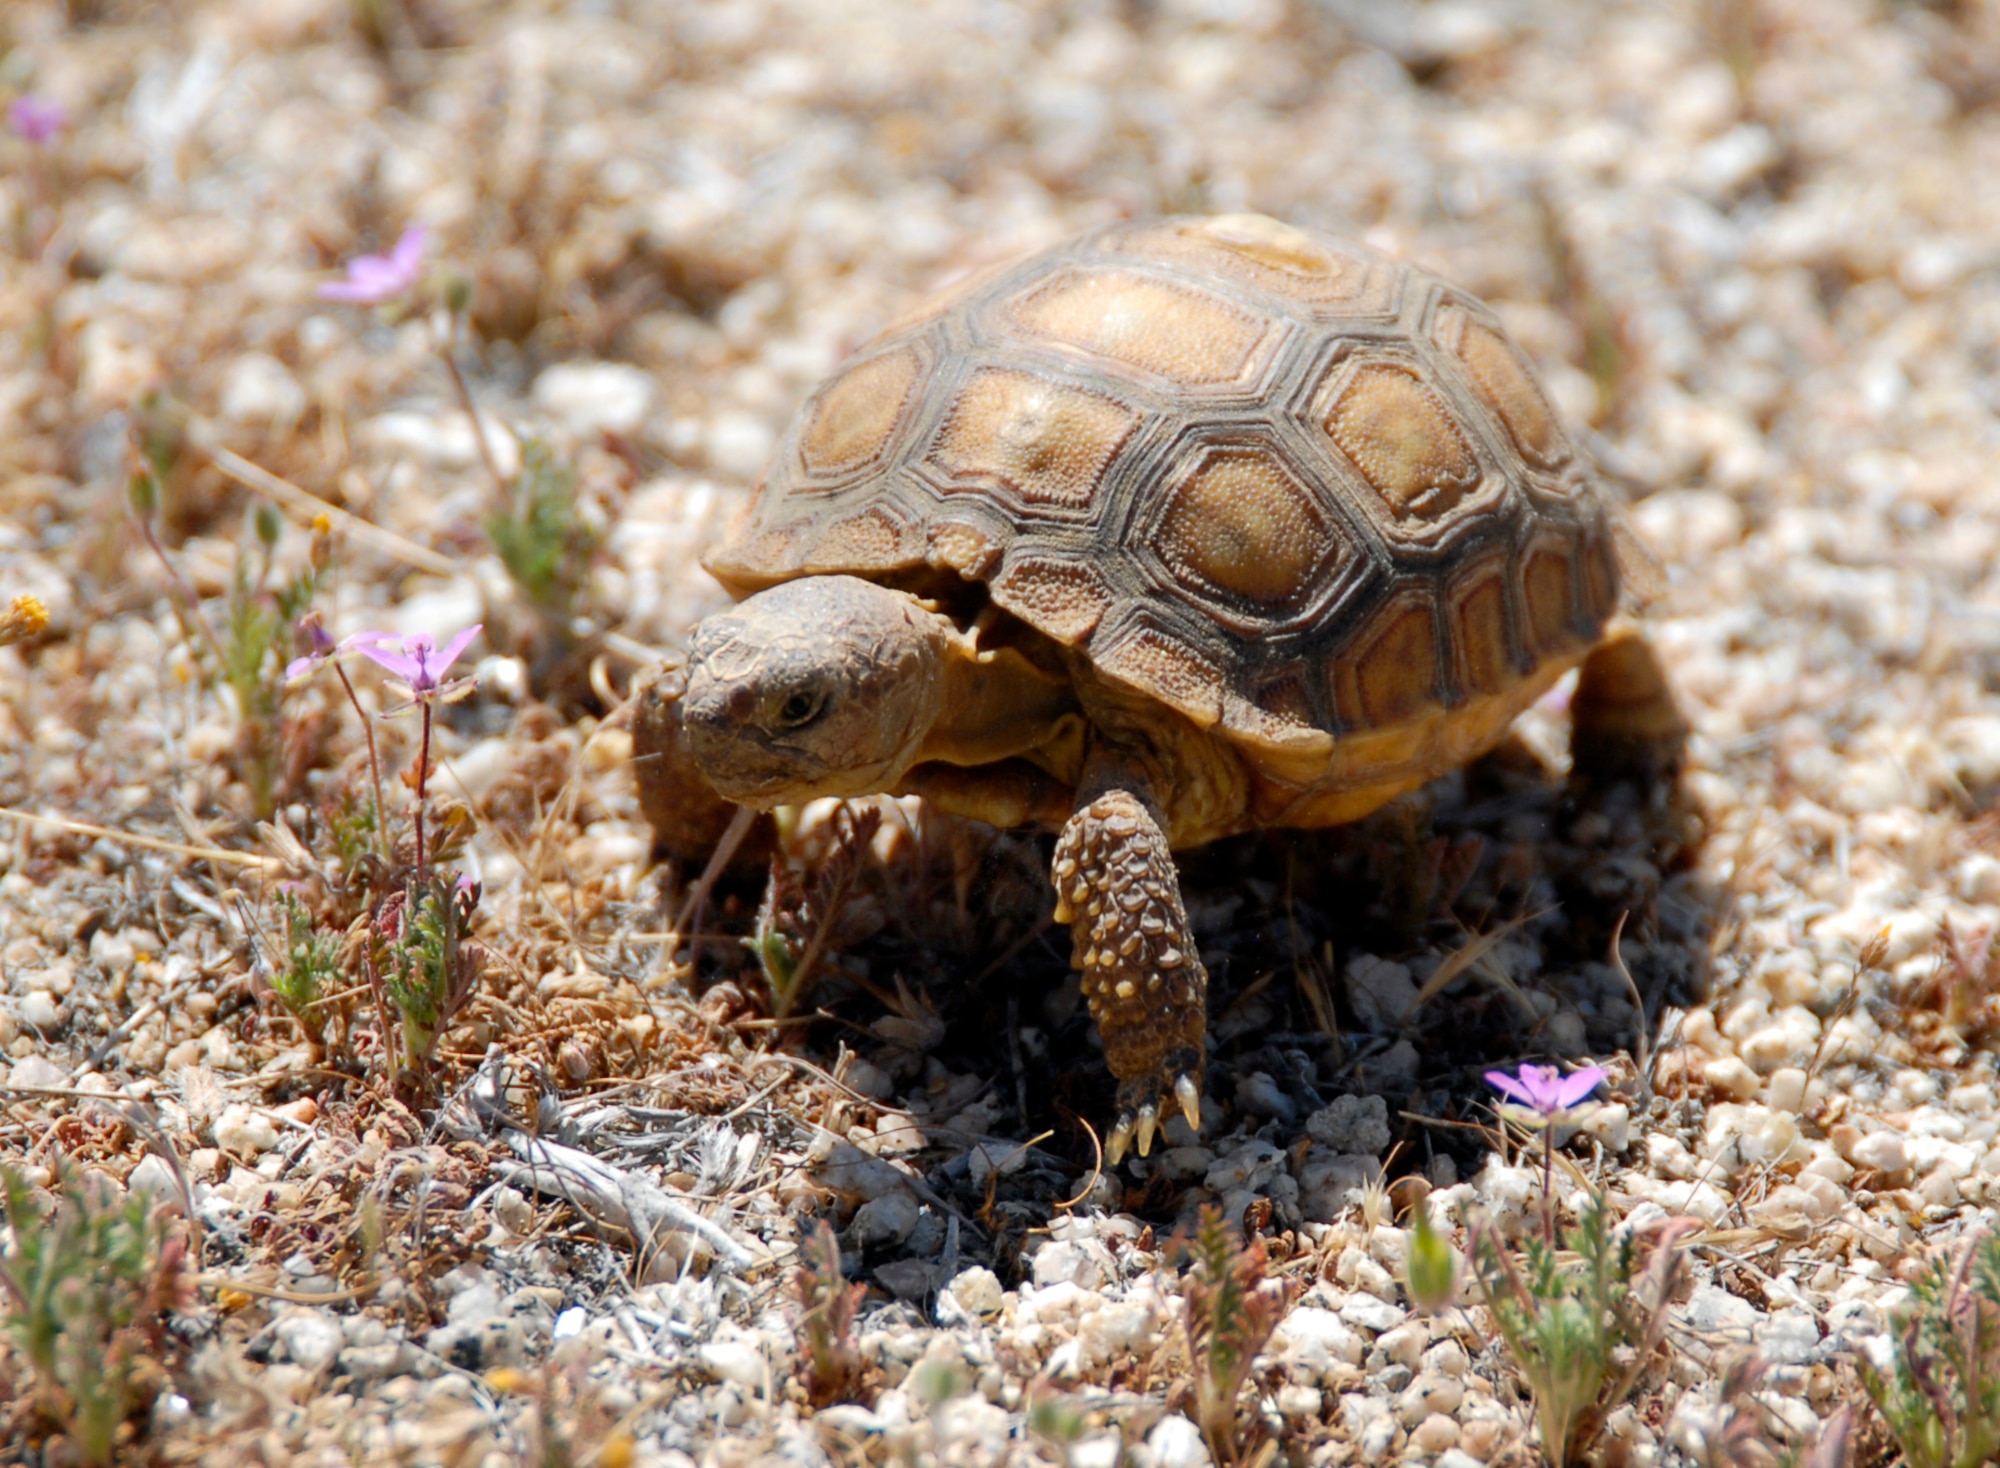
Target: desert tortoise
point(1180, 528)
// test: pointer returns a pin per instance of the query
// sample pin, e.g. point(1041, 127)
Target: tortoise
point(1181, 528)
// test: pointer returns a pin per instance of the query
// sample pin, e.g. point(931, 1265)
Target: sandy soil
point(1754, 248)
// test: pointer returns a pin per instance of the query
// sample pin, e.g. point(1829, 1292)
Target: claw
point(1119, 1142)
point(1189, 1095)
point(1149, 1121)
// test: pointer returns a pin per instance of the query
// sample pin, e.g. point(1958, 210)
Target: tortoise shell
point(1307, 496)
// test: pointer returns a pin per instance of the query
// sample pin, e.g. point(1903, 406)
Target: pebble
point(243, 1131)
point(38, 1010)
point(1712, 1308)
point(1429, 1395)
point(886, 1221)
point(1448, 1358)
point(1176, 1442)
point(1382, 993)
point(1882, 1151)
point(1352, 1124)
point(1404, 1345)
point(1788, 1338)
point(309, 1338)
point(1434, 1434)
point(1372, 1314)
point(1312, 1341)
point(978, 1291)
point(1786, 1089)
point(1731, 1076)
point(592, 398)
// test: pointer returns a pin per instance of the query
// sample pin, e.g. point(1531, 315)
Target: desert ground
point(361, 1110)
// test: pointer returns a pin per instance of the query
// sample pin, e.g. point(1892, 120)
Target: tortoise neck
point(998, 705)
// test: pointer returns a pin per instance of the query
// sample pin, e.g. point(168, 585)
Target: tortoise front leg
point(1117, 888)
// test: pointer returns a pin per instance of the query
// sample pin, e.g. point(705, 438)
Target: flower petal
point(299, 667)
point(1577, 1085)
point(409, 251)
point(1506, 1085)
point(1543, 1083)
point(406, 668)
point(455, 648)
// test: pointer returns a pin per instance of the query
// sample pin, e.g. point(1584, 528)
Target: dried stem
point(374, 769)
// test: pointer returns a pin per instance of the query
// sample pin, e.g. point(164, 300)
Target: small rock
point(1788, 1338)
point(1382, 993)
point(1786, 1089)
point(1882, 1151)
point(1372, 1314)
point(309, 1338)
point(1457, 1458)
point(480, 1347)
point(38, 1010)
point(1712, 1308)
point(1428, 1396)
point(1062, 1259)
point(154, 1178)
point(1404, 1345)
point(1251, 1166)
point(1176, 1442)
point(1311, 1342)
point(590, 398)
point(37, 1072)
point(1731, 1076)
point(1258, 1095)
point(243, 1131)
point(1447, 1358)
point(885, 1221)
point(908, 1279)
point(735, 1355)
point(1434, 1434)
point(1353, 1124)
point(1299, 1402)
point(978, 1291)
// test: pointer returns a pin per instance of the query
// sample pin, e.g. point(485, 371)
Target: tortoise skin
point(1308, 497)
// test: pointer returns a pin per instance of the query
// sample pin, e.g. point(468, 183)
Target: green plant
point(1581, 1329)
point(1940, 1391)
point(796, 923)
point(88, 1282)
point(1229, 1309)
point(831, 1368)
point(427, 965)
point(307, 967)
point(544, 544)
point(1056, 1421)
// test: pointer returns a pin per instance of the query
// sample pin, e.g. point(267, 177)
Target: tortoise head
point(822, 686)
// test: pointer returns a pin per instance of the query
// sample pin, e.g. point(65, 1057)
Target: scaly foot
point(1117, 888)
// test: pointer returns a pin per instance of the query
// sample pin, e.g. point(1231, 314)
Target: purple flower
point(416, 663)
point(323, 647)
point(374, 279)
point(38, 119)
point(1544, 1091)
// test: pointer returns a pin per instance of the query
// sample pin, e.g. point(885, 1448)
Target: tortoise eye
point(800, 708)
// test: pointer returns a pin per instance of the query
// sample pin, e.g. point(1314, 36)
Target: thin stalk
point(423, 776)
point(447, 349)
point(374, 768)
point(187, 610)
point(1548, 1181)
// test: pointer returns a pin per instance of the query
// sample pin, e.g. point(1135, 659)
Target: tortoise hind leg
point(1624, 721)
point(1117, 888)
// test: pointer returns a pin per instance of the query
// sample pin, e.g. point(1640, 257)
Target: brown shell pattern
point(1278, 481)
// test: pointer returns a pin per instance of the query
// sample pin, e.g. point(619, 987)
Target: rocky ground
point(1754, 248)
